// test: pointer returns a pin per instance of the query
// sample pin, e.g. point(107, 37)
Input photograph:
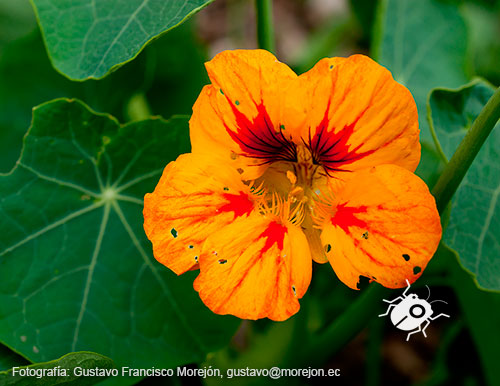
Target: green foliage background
point(106, 89)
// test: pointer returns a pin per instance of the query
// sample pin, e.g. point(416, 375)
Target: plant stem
point(265, 29)
point(346, 326)
point(456, 169)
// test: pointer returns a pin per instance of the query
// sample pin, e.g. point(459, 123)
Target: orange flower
point(287, 169)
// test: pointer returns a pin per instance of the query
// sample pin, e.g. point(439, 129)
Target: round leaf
point(475, 216)
point(88, 38)
point(76, 271)
point(423, 43)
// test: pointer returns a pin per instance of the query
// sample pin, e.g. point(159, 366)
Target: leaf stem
point(455, 170)
point(346, 326)
point(265, 29)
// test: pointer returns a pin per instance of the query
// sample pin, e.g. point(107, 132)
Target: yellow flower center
point(297, 183)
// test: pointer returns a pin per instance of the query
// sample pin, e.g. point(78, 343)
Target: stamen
point(282, 210)
point(323, 209)
point(257, 190)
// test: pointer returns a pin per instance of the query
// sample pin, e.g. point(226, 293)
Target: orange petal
point(383, 225)
point(190, 203)
point(238, 116)
point(354, 115)
point(255, 268)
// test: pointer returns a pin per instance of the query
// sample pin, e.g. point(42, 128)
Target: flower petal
point(354, 115)
point(383, 225)
point(238, 116)
point(255, 268)
point(189, 203)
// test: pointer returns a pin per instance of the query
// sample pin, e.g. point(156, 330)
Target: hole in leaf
point(406, 256)
point(222, 261)
point(416, 270)
point(328, 248)
point(365, 235)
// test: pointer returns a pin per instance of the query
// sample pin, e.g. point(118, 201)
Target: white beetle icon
point(411, 312)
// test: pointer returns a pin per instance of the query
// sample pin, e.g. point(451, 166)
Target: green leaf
point(9, 358)
point(88, 39)
point(80, 360)
point(170, 71)
point(423, 43)
point(27, 79)
point(474, 221)
point(76, 270)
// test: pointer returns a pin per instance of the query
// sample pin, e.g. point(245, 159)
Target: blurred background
point(166, 79)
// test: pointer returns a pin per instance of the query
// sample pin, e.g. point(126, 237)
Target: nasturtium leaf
point(475, 215)
point(169, 71)
point(76, 270)
point(28, 79)
point(87, 38)
point(9, 359)
point(423, 43)
point(74, 364)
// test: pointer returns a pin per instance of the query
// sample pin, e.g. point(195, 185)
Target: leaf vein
point(90, 274)
point(55, 224)
point(158, 278)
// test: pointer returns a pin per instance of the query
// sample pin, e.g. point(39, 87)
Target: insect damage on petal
point(285, 169)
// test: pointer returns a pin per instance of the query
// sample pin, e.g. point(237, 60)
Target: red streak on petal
point(345, 217)
point(275, 233)
point(330, 148)
point(239, 204)
point(259, 138)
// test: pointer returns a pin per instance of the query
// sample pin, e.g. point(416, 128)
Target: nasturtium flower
point(288, 169)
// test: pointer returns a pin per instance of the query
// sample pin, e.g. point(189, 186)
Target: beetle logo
point(411, 313)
